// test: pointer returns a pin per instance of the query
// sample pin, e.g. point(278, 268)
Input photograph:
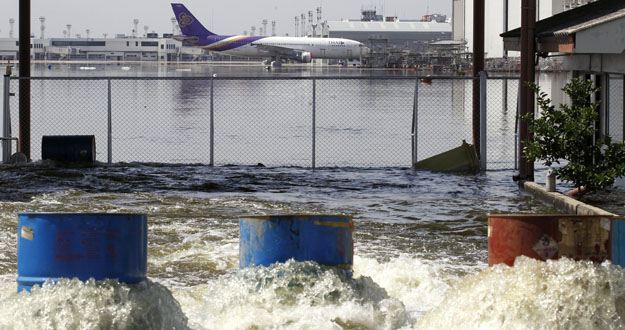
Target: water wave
point(73, 304)
point(561, 294)
point(295, 295)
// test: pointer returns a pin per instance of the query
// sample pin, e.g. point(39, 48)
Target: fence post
point(415, 121)
point(110, 124)
point(483, 120)
point(605, 104)
point(314, 121)
point(517, 139)
point(6, 120)
point(212, 125)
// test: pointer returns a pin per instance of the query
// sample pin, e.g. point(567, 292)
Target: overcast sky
point(222, 17)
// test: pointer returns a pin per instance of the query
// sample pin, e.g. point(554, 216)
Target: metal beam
point(528, 25)
point(478, 66)
point(24, 85)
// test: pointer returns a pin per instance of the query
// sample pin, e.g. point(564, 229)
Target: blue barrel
point(326, 239)
point(83, 245)
point(68, 148)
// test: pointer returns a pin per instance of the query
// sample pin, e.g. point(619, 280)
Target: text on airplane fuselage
point(337, 43)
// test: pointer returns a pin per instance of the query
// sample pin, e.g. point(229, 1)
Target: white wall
point(494, 21)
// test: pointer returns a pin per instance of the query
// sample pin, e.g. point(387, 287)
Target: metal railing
point(6, 122)
point(276, 121)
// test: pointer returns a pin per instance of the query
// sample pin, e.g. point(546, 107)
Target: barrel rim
point(82, 213)
point(294, 215)
point(530, 215)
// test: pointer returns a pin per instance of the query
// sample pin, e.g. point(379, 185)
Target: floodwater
point(420, 253)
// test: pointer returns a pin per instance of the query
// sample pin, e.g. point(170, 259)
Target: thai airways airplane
point(302, 49)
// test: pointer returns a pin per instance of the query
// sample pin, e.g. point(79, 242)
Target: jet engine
point(305, 57)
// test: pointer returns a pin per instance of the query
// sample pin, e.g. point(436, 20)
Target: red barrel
point(542, 237)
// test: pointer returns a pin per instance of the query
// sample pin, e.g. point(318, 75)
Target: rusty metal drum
point(325, 239)
point(551, 236)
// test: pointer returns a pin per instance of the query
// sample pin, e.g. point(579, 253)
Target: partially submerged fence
point(276, 121)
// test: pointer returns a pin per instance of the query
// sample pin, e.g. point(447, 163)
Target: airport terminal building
point(151, 48)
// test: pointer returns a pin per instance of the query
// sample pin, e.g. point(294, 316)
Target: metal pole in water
point(6, 121)
point(478, 66)
point(528, 25)
point(517, 140)
point(212, 126)
point(24, 84)
point(314, 121)
point(110, 125)
point(483, 120)
point(415, 120)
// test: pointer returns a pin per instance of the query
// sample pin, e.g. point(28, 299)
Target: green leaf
point(567, 133)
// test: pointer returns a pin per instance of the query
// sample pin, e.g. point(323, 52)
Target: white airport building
point(496, 17)
point(414, 35)
point(152, 48)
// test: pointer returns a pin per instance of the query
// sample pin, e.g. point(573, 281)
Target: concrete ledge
point(561, 202)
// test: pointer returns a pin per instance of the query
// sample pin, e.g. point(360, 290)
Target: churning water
point(420, 253)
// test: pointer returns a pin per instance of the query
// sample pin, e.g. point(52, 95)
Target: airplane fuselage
point(302, 49)
point(248, 46)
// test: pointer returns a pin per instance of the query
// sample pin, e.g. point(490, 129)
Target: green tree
point(568, 133)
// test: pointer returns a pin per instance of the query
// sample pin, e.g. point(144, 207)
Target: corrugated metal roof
point(588, 24)
point(378, 27)
point(577, 19)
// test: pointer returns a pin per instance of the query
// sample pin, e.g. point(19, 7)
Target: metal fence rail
point(276, 121)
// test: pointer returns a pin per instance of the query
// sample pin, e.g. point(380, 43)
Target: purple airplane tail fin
point(189, 25)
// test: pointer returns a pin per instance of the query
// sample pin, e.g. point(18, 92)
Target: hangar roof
point(386, 27)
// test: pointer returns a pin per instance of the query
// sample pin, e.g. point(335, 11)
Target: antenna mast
point(43, 25)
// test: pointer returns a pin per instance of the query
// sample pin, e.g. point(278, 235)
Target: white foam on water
point(292, 295)
point(72, 304)
point(561, 294)
point(420, 286)
point(389, 293)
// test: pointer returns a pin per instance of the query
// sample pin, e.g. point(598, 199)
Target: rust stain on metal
point(336, 224)
point(583, 240)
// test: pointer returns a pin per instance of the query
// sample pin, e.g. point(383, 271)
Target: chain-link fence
point(502, 111)
point(298, 121)
point(615, 102)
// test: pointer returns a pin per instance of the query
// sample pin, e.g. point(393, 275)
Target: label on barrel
point(584, 239)
point(546, 247)
point(27, 233)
